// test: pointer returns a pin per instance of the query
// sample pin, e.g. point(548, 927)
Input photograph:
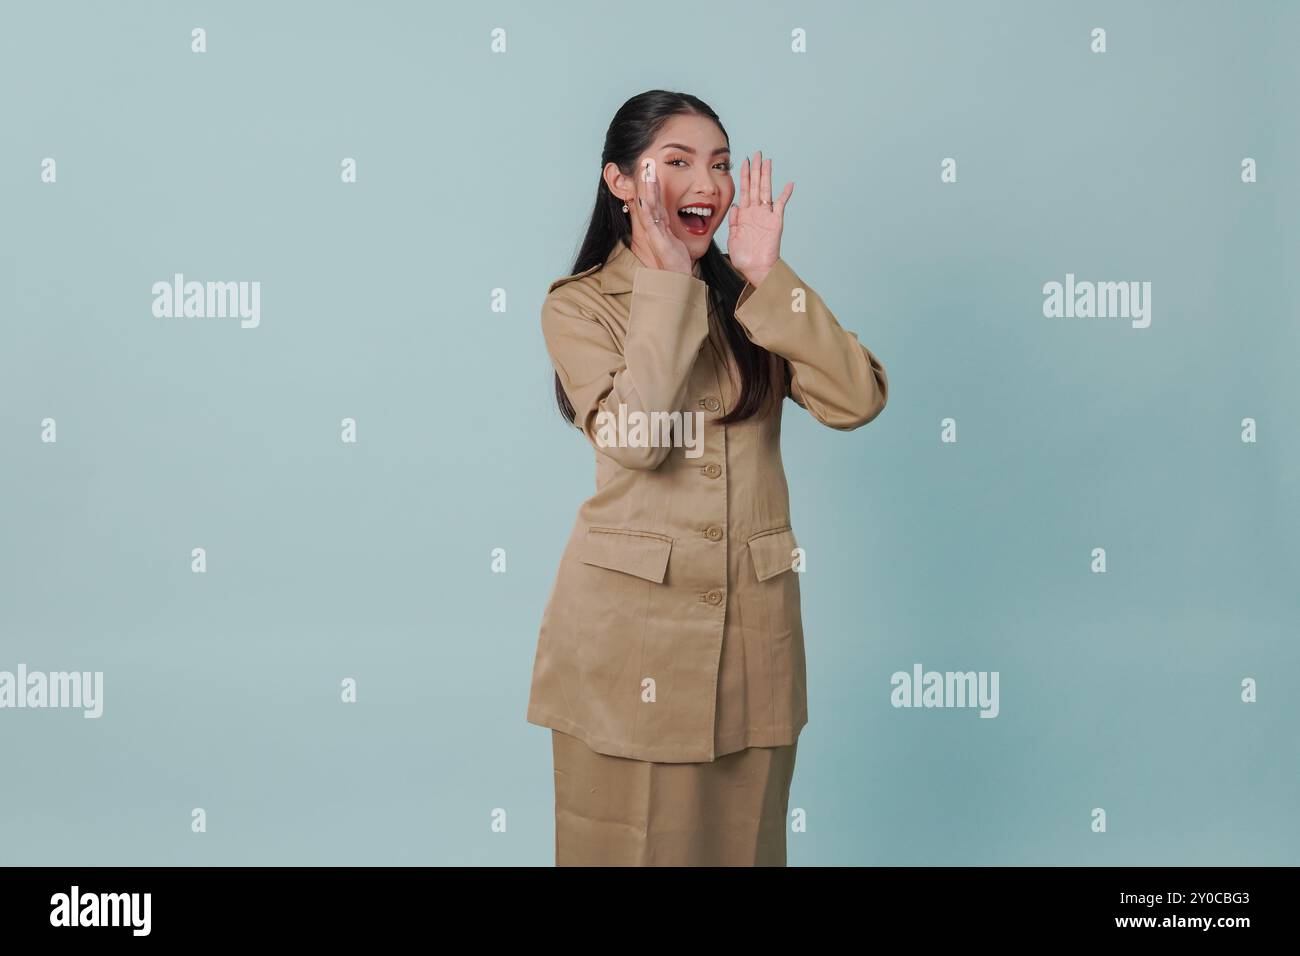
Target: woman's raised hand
point(754, 226)
point(663, 250)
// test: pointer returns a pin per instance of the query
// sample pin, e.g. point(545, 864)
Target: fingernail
point(650, 170)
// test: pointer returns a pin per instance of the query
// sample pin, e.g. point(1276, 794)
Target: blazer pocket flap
point(640, 553)
point(772, 552)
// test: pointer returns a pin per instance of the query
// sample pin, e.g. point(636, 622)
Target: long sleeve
point(835, 377)
point(667, 325)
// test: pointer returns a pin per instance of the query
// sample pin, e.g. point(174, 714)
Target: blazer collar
point(620, 268)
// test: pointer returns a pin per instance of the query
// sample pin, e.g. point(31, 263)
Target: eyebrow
point(686, 149)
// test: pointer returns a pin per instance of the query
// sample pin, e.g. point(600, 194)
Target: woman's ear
point(618, 183)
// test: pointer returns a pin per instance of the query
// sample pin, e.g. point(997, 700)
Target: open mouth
point(697, 218)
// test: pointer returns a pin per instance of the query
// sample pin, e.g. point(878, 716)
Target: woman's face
point(693, 166)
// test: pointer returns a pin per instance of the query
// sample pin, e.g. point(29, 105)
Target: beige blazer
point(673, 630)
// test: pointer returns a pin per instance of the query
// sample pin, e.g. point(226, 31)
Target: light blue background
point(477, 171)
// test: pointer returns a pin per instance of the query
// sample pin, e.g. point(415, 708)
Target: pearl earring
point(625, 207)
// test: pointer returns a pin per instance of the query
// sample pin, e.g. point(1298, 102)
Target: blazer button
point(714, 597)
point(711, 403)
point(714, 533)
point(711, 470)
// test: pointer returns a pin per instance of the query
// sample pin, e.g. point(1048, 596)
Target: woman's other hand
point(754, 225)
point(662, 249)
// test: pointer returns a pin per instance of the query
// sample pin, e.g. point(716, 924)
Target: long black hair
point(630, 134)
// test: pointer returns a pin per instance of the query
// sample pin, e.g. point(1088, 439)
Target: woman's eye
point(725, 164)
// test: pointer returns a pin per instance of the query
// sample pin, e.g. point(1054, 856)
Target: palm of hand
point(754, 238)
point(755, 222)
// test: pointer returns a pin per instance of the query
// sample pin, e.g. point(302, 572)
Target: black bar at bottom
point(377, 904)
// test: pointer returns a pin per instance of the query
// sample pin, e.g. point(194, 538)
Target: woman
point(670, 663)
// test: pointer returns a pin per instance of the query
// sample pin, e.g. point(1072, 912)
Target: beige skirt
point(616, 811)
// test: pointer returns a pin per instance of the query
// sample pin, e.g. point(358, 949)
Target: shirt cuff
point(758, 308)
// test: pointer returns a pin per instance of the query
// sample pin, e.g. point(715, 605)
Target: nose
point(704, 189)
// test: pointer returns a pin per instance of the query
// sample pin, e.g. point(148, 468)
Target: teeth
point(699, 210)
